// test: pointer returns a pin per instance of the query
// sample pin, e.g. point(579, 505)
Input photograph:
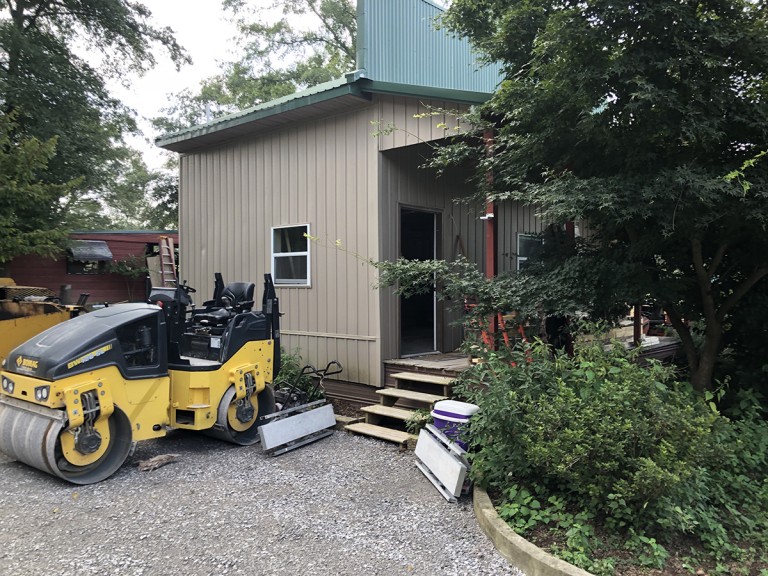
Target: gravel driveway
point(345, 505)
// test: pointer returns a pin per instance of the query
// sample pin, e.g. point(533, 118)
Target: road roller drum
point(33, 435)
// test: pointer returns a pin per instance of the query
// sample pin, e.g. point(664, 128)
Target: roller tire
point(119, 448)
point(223, 431)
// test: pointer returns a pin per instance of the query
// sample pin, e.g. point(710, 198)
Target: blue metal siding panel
point(400, 44)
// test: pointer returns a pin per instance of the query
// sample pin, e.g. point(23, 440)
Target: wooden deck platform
point(452, 363)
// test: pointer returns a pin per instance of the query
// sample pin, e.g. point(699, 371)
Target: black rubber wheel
point(266, 399)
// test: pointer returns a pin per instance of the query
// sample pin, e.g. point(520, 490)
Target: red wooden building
point(85, 265)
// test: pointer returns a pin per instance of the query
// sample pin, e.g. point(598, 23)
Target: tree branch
point(337, 42)
point(705, 282)
point(717, 259)
point(689, 346)
point(740, 291)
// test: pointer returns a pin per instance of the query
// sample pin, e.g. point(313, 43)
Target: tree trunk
point(702, 375)
point(684, 333)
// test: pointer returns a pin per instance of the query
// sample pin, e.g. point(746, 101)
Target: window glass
point(527, 246)
point(290, 255)
point(291, 268)
point(291, 239)
point(138, 341)
point(78, 267)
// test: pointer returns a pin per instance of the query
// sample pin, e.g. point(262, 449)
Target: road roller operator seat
point(237, 297)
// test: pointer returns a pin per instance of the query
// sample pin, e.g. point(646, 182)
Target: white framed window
point(527, 246)
point(290, 255)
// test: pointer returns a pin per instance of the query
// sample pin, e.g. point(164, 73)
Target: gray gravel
point(345, 505)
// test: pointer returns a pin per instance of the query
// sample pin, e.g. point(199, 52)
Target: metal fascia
point(270, 109)
point(463, 96)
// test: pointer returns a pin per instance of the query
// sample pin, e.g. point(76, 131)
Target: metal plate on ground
point(284, 434)
point(446, 469)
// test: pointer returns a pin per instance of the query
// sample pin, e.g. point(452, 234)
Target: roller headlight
point(42, 392)
point(7, 385)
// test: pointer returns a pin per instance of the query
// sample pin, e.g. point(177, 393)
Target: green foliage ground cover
point(292, 376)
point(597, 445)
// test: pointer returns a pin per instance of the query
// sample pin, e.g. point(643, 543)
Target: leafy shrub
point(598, 436)
point(291, 378)
point(418, 420)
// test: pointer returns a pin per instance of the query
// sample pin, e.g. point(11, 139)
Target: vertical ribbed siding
point(321, 173)
point(415, 121)
point(398, 43)
point(404, 183)
point(328, 173)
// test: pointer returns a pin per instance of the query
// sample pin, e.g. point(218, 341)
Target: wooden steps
point(376, 411)
point(386, 420)
point(389, 396)
point(381, 432)
point(405, 379)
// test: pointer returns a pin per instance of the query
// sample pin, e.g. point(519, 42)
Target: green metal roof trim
point(352, 84)
point(460, 96)
point(398, 43)
point(132, 231)
point(313, 95)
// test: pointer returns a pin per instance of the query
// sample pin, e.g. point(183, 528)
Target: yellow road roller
point(75, 398)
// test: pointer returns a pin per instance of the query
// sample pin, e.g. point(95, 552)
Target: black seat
point(237, 297)
point(240, 294)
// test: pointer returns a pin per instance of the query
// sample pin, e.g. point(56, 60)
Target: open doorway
point(418, 314)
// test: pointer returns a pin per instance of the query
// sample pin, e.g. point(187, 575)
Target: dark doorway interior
point(418, 231)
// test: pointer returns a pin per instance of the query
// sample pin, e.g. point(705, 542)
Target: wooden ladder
point(386, 420)
point(167, 262)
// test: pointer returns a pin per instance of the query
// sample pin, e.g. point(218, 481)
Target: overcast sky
point(207, 36)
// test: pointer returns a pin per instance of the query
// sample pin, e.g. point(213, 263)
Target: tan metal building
point(255, 184)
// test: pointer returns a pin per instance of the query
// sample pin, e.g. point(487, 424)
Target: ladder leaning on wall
point(167, 262)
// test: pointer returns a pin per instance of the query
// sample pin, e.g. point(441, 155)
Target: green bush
point(418, 420)
point(290, 377)
point(562, 439)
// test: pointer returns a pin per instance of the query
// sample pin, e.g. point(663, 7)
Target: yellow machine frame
point(153, 404)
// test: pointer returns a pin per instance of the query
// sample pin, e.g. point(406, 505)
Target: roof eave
point(356, 85)
point(458, 96)
point(176, 140)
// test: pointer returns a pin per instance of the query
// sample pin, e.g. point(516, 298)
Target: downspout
point(490, 230)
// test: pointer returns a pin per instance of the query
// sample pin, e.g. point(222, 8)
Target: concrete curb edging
point(520, 553)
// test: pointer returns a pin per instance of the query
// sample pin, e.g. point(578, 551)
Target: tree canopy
point(28, 206)
point(631, 116)
point(56, 96)
point(286, 46)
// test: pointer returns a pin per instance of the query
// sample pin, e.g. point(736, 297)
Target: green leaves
point(54, 96)
point(27, 204)
point(646, 120)
point(567, 441)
